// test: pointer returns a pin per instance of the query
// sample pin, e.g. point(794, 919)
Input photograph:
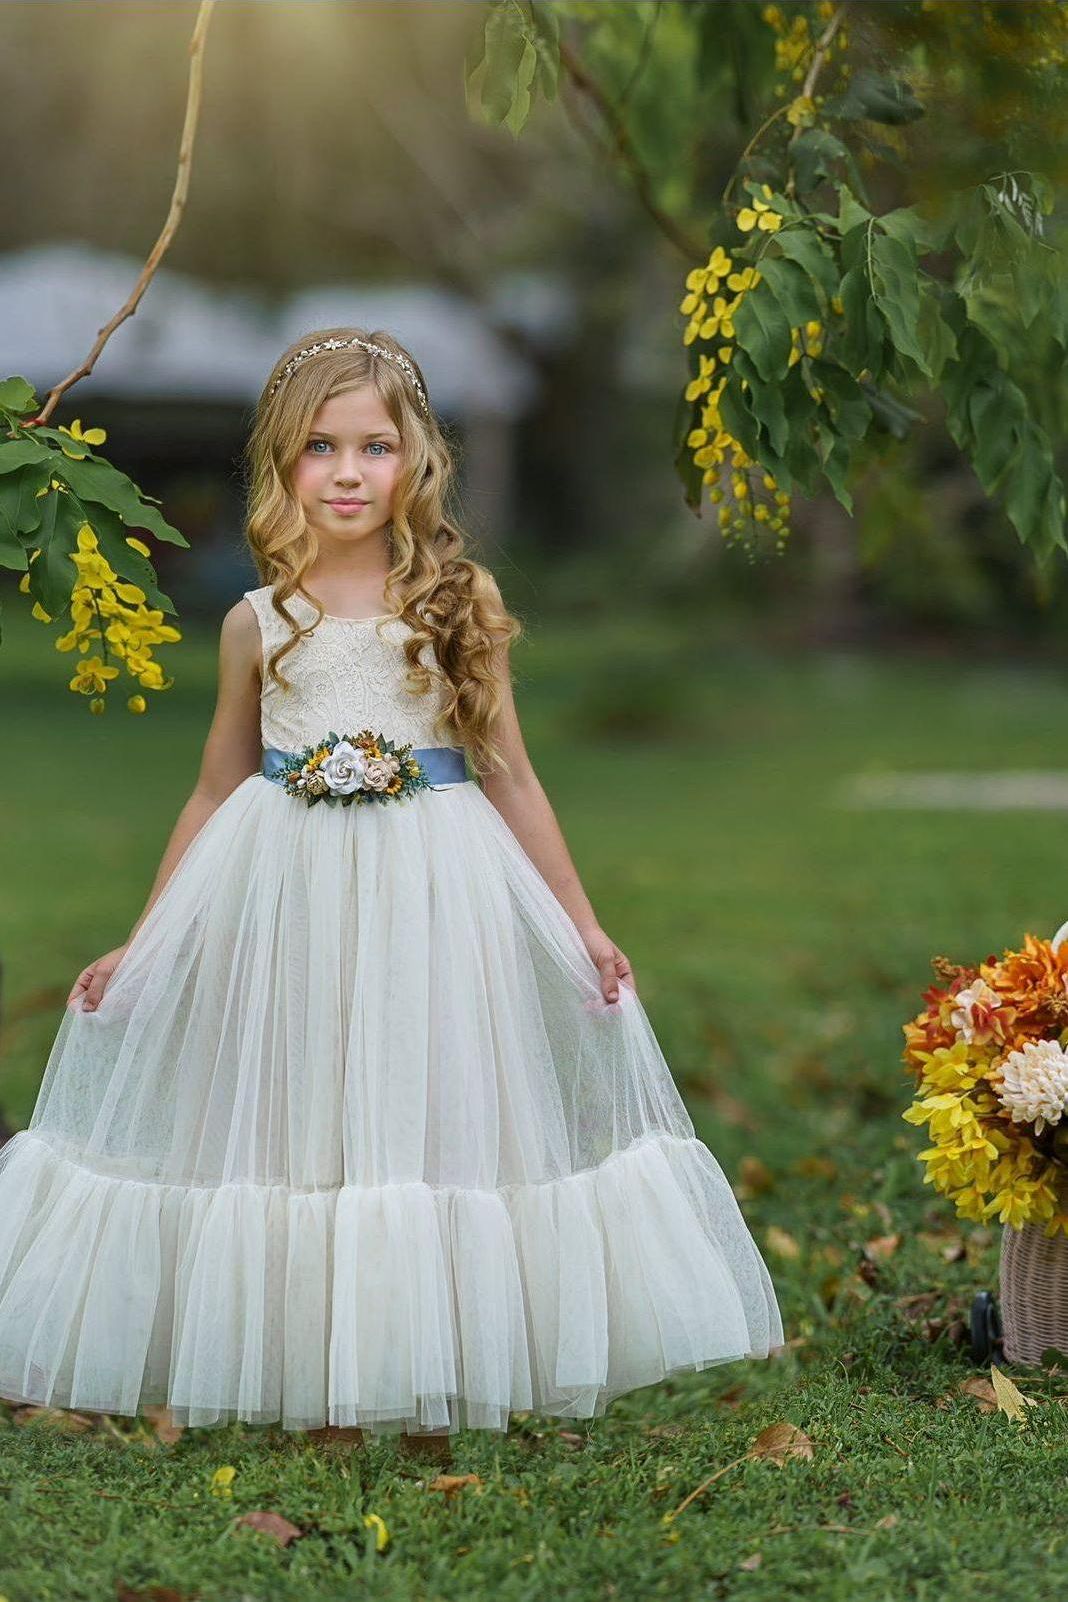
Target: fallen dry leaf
point(272, 1524)
point(571, 1438)
point(982, 1390)
point(780, 1441)
point(730, 1109)
point(732, 1395)
point(162, 1423)
point(881, 1247)
point(752, 1563)
point(816, 1168)
point(56, 1418)
point(916, 1307)
point(451, 1483)
point(887, 1522)
point(781, 1242)
point(756, 1175)
point(1011, 1401)
point(777, 1443)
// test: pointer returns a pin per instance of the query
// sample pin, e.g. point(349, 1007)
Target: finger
point(80, 985)
point(609, 982)
point(95, 992)
point(623, 967)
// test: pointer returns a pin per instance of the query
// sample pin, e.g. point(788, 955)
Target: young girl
point(365, 1124)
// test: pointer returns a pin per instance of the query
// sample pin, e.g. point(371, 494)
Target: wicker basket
point(1034, 1292)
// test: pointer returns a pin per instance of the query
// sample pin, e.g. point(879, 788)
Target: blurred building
point(176, 382)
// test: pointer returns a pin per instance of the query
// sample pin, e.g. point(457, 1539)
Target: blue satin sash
point(443, 764)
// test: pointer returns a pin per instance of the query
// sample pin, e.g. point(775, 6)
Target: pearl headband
point(345, 344)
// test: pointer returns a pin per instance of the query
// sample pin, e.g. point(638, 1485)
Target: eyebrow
point(371, 433)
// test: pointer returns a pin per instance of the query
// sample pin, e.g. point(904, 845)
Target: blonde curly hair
point(448, 600)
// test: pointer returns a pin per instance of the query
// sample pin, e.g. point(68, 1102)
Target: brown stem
point(779, 111)
point(819, 55)
point(684, 1504)
point(623, 148)
point(815, 67)
point(174, 216)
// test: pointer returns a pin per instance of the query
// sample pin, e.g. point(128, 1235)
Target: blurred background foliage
point(335, 146)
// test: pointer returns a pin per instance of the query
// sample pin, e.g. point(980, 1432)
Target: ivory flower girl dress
point(352, 1137)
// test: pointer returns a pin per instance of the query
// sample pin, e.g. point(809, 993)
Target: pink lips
point(341, 501)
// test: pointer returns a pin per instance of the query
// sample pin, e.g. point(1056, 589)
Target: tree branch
point(623, 148)
point(174, 216)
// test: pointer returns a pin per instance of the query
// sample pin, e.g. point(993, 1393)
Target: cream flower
point(971, 1014)
point(1034, 1086)
point(344, 768)
point(380, 772)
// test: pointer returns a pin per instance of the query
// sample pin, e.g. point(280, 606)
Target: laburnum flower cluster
point(714, 293)
point(105, 608)
point(795, 43)
point(989, 1056)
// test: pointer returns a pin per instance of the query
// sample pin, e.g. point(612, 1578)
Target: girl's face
point(345, 475)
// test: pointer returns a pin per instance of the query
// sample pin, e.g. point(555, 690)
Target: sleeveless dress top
point(348, 674)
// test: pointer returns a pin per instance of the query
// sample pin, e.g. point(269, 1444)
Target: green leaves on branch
point(51, 485)
point(846, 325)
point(819, 329)
point(516, 56)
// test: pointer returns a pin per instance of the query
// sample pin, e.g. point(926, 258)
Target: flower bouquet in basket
point(989, 1054)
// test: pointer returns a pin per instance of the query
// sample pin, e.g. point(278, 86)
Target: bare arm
point(524, 806)
point(232, 751)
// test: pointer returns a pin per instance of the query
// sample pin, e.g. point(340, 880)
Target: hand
point(93, 981)
point(615, 967)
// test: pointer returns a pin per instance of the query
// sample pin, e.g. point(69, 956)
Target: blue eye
point(312, 444)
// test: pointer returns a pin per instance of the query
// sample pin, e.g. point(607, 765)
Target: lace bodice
point(347, 675)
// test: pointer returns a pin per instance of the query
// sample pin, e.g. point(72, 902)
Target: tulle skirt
point(353, 1138)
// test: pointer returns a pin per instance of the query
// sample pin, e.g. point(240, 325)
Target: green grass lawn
point(779, 941)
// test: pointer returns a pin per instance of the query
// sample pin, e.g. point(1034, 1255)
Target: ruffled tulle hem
point(404, 1306)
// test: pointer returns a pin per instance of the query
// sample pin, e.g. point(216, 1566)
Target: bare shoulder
point(239, 637)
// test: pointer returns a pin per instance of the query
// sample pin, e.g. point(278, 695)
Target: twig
point(684, 1504)
point(624, 149)
point(643, 56)
point(178, 199)
point(819, 55)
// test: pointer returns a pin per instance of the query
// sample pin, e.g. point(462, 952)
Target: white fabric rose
point(1034, 1085)
point(344, 768)
point(380, 772)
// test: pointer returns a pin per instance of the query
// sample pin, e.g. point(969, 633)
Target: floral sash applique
point(352, 768)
